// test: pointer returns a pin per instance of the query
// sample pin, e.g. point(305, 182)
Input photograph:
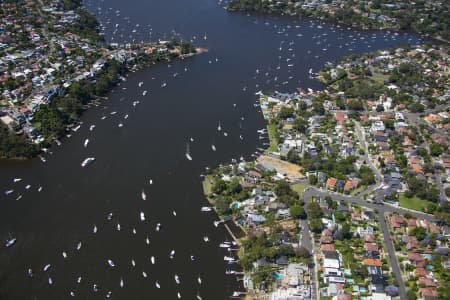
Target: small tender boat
point(219, 128)
point(121, 284)
point(144, 274)
point(134, 230)
point(111, 263)
point(143, 195)
point(87, 161)
point(199, 280)
point(50, 281)
point(177, 279)
point(64, 254)
point(17, 180)
point(47, 267)
point(142, 216)
point(224, 245)
point(152, 259)
point(206, 208)
point(157, 285)
point(172, 254)
point(27, 187)
point(79, 246)
point(94, 230)
point(163, 85)
point(86, 142)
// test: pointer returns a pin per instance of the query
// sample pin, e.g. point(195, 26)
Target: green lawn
point(414, 203)
point(207, 186)
point(272, 130)
point(379, 78)
point(299, 188)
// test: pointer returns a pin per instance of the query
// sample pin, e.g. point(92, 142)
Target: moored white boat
point(87, 161)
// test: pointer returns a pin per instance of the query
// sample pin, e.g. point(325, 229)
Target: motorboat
point(94, 230)
point(142, 216)
point(64, 254)
point(228, 258)
point(47, 267)
point(10, 242)
point(158, 226)
point(86, 142)
point(174, 213)
point(177, 279)
point(188, 155)
point(87, 161)
point(121, 284)
point(144, 274)
point(157, 285)
point(206, 238)
point(147, 241)
point(133, 263)
point(118, 227)
point(143, 195)
point(213, 147)
point(111, 263)
point(172, 254)
point(30, 273)
point(224, 245)
point(199, 280)
point(79, 246)
point(152, 259)
point(110, 216)
point(206, 208)
point(9, 192)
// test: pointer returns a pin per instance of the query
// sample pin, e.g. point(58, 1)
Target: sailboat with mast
point(188, 154)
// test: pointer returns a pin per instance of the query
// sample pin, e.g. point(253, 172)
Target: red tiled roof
point(372, 262)
point(331, 182)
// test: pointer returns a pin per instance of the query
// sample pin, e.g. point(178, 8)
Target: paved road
point(362, 141)
point(391, 251)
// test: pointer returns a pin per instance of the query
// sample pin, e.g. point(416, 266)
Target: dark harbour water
point(151, 145)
